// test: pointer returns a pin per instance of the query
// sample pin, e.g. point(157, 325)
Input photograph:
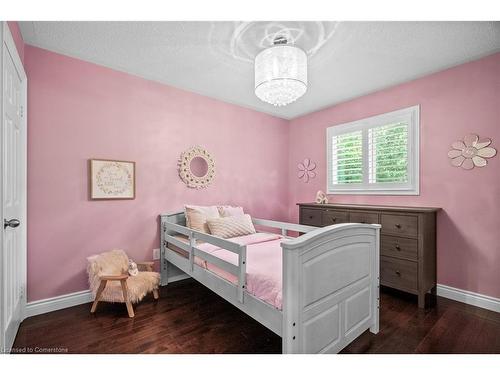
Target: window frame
point(411, 116)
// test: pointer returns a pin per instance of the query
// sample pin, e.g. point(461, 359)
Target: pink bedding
point(264, 265)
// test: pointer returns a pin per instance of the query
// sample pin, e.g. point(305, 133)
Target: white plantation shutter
point(376, 155)
point(347, 158)
point(388, 153)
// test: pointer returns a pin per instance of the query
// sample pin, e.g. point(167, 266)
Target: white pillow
point(226, 211)
point(231, 226)
point(196, 217)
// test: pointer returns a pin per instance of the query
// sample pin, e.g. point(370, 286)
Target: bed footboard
point(330, 287)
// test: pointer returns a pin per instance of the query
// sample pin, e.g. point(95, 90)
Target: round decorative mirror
point(197, 167)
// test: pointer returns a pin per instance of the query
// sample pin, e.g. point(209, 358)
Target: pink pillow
point(226, 211)
point(196, 217)
point(232, 226)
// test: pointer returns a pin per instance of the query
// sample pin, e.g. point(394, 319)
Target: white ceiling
point(346, 59)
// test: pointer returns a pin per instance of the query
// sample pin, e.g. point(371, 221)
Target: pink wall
point(18, 39)
point(452, 103)
point(79, 111)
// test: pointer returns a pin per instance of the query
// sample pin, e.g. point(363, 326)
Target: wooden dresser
point(407, 240)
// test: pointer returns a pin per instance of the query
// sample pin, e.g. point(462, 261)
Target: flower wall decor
point(306, 170)
point(471, 152)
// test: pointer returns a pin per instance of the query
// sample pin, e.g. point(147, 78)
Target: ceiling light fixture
point(280, 73)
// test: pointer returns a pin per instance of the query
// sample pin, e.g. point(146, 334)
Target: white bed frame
point(330, 280)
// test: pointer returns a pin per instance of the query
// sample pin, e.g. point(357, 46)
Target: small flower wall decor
point(471, 152)
point(306, 170)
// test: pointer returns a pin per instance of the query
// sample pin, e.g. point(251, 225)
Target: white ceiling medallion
point(280, 73)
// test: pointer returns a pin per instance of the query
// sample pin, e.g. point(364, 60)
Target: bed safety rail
point(194, 251)
point(285, 227)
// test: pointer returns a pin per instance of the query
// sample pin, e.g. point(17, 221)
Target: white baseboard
point(72, 299)
point(470, 298)
point(57, 303)
point(85, 296)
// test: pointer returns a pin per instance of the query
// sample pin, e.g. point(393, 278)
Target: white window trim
point(412, 187)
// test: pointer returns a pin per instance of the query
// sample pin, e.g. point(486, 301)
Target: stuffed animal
point(321, 198)
point(132, 268)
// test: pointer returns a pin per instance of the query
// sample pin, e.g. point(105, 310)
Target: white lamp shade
point(280, 74)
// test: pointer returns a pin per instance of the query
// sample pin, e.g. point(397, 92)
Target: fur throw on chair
point(116, 262)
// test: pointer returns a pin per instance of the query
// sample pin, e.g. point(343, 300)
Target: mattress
point(177, 249)
point(184, 253)
point(263, 264)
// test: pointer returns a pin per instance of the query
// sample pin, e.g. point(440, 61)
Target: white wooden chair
point(109, 280)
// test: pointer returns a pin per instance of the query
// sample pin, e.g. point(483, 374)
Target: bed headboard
point(174, 217)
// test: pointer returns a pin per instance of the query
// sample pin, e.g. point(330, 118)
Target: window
point(376, 155)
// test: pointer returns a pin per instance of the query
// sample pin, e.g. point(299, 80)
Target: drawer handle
point(310, 217)
point(398, 248)
point(334, 219)
point(397, 226)
point(398, 273)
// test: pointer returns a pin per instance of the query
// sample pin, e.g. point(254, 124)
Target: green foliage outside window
point(349, 158)
point(388, 150)
point(391, 153)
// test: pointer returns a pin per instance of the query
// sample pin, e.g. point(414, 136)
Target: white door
point(13, 197)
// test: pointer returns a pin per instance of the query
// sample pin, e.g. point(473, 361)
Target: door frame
point(9, 46)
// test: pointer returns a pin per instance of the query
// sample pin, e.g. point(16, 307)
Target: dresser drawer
point(399, 247)
point(407, 240)
point(363, 217)
point(399, 225)
point(398, 273)
point(331, 217)
point(310, 217)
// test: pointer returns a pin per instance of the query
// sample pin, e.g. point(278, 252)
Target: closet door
point(13, 186)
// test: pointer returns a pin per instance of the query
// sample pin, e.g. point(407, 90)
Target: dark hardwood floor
point(189, 318)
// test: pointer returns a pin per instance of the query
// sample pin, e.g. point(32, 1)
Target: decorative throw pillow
point(231, 226)
point(226, 211)
point(196, 217)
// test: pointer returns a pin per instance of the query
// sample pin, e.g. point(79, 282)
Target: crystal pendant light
point(280, 73)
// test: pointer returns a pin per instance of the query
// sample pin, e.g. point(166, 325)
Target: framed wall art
point(111, 179)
